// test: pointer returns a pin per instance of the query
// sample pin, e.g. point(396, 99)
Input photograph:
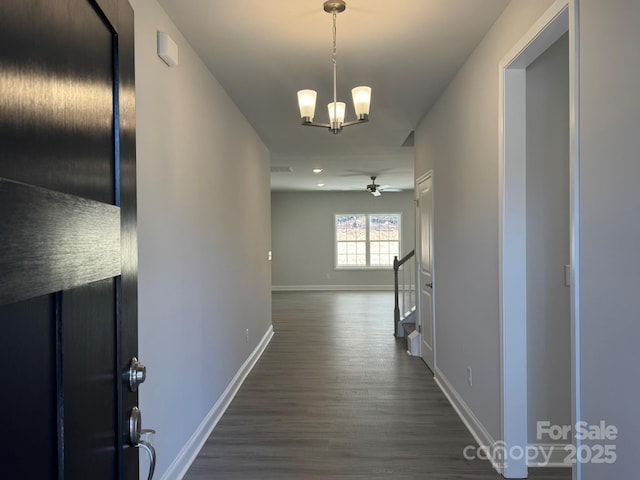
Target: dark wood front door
point(68, 259)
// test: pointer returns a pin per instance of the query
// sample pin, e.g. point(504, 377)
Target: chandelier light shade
point(361, 101)
point(361, 95)
point(307, 103)
point(336, 112)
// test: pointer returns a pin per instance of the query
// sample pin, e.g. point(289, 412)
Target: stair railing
point(404, 288)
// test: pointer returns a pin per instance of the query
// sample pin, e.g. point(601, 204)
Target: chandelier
point(361, 95)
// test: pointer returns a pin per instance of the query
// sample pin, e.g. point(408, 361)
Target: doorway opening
point(559, 19)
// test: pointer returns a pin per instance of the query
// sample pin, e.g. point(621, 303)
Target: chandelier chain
point(335, 31)
point(335, 65)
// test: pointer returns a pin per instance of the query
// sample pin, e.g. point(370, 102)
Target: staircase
point(407, 323)
point(404, 313)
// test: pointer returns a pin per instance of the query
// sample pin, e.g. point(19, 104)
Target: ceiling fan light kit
point(373, 188)
point(361, 96)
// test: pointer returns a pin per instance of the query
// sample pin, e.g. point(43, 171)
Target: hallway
point(336, 396)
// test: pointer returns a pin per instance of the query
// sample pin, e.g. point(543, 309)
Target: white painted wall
point(303, 236)
point(548, 298)
point(204, 234)
point(610, 226)
point(458, 139)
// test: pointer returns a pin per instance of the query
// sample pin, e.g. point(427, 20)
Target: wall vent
point(281, 169)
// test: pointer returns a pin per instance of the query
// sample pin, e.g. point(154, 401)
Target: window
point(367, 241)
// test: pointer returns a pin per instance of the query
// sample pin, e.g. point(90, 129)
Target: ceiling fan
point(376, 190)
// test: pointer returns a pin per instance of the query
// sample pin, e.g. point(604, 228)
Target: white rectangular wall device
point(167, 49)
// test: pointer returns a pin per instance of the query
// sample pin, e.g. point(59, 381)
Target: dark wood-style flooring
point(335, 396)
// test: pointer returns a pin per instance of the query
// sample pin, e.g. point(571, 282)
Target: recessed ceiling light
point(321, 184)
point(317, 170)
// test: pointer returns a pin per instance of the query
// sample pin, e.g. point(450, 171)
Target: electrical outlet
point(470, 376)
point(247, 336)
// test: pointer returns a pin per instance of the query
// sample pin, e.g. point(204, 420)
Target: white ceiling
point(264, 52)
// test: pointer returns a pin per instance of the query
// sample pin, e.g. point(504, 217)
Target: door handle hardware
point(430, 285)
point(135, 438)
point(136, 374)
point(151, 451)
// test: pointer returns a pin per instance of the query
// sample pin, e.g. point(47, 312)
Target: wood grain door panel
point(68, 258)
point(53, 241)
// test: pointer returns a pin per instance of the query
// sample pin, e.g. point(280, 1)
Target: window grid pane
point(382, 253)
point(356, 232)
point(385, 239)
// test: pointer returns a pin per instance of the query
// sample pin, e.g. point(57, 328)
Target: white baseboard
point(475, 427)
point(548, 455)
point(189, 452)
point(331, 288)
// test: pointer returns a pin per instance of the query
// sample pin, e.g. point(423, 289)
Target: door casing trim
point(560, 18)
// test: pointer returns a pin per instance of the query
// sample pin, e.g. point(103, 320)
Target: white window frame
point(367, 241)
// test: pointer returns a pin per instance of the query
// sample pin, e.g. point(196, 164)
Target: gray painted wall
point(458, 139)
point(303, 236)
point(610, 226)
point(204, 233)
point(548, 298)
point(189, 275)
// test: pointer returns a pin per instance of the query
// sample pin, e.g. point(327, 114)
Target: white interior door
point(425, 221)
